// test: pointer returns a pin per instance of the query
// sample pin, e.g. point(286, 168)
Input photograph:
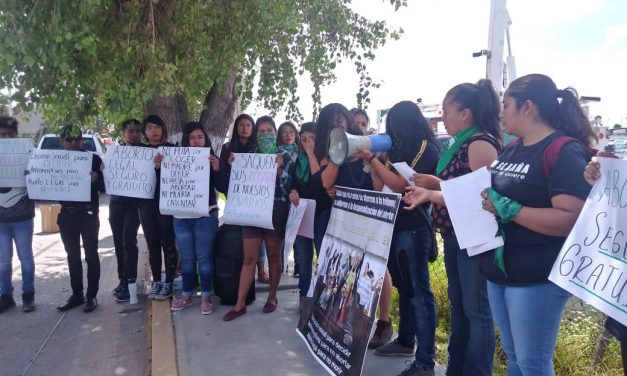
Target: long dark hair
point(559, 109)
point(189, 128)
point(483, 103)
point(285, 125)
point(326, 122)
point(235, 145)
point(407, 127)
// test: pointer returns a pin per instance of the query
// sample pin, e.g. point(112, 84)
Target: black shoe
point(90, 305)
point(73, 301)
point(123, 296)
point(119, 288)
point(6, 302)
point(28, 302)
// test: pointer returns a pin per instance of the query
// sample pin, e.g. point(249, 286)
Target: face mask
point(267, 142)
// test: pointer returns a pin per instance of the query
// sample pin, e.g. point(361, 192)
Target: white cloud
point(616, 34)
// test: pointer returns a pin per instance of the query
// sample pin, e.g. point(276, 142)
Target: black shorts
point(280, 212)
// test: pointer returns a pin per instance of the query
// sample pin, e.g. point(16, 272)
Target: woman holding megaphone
point(414, 144)
point(471, 116)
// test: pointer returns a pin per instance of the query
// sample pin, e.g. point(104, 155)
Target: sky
point(578, 43)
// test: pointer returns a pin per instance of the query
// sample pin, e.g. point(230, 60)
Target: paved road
point(112, 340)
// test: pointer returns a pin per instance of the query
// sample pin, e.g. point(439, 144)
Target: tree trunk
point(221, 108)
point(174, 112)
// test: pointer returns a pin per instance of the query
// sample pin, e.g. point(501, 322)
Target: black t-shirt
point(411, 220)
point(519, 174)
point(350, 175)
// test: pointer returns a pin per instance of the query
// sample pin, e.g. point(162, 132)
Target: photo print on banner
point(342, 300)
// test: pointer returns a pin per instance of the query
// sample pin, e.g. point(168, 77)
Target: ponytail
point(483, 103)
point(559, 109)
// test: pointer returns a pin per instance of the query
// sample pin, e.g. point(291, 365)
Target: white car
point(91, 142)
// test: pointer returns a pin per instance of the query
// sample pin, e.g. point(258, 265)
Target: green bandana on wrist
point(267, 143)
point(452, 146)
point(507, 209)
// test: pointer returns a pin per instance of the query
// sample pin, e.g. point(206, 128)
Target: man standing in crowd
point(80, 220)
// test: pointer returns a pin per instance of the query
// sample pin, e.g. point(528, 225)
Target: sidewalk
point(254, 344)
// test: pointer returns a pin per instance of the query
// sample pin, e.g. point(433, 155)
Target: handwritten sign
point(14, 155)
point(130, 171)
point(59, 175)
point(593, 261)
point(184, 182)
point(251, 190)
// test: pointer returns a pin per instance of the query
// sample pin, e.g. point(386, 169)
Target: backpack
point(553, 151)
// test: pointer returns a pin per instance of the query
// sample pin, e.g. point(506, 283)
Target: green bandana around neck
point(290, 148)
point(452, 146)
point(267, 143)
point(302, 168)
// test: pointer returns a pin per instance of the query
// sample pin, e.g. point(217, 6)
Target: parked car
point(91, 142)
point(618, 146)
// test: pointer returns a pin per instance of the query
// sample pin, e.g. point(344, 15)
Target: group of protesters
point(508, 286)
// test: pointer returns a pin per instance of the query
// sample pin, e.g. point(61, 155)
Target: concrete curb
point(164, 359)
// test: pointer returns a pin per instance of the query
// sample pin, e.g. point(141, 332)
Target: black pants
point(74, 226)
point(159, 233)
point(124, 221)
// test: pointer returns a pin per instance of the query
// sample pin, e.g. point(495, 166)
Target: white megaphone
point(342, 145)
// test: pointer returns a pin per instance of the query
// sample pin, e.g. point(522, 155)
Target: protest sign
point(336, 322)
point(251, 190)
point(14, 155)
point(184, 188)
point(300, 221)
point(130, 171)
point(59, 175)
point(592, 264)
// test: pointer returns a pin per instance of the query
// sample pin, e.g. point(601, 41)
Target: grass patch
point(576, 343)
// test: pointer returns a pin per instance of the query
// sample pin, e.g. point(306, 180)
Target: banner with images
point(14, 156)
point(184, 188)
point(336, 322)
point(59, 175)
point(250, 199)
point(592, 264)
point(300, 221)
point(130, 171)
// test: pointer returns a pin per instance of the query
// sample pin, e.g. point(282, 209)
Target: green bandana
point(267, 143)
point(452, 146)
point(507, 209)
point(290, 148)
point(302, 168)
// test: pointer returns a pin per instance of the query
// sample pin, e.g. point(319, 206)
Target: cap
point(72, 131)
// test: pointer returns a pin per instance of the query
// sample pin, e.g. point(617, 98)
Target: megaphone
point(342, 145)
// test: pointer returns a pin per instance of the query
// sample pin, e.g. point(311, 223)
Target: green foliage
point(78, 59)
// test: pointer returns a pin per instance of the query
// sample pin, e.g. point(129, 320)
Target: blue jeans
point(409, 268)
point(304, 258)
point(194, 237)
point(472, 340)
point(529, 320)
point(22, 234)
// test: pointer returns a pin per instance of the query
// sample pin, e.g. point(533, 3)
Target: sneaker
point(28, 302)
point(415, 370)
point(123, 295)
point(117, 290)
point(166, 291)
point(6, 302)
point(156, 289)
point(206, 307)
point(179, 304)
point(382, 334)
point(394, 348)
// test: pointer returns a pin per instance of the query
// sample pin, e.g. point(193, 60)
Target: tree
point(78, 59)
